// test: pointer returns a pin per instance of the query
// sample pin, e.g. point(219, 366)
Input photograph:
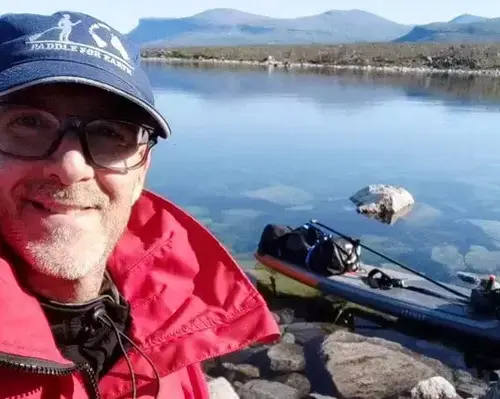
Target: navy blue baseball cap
point(73, 47)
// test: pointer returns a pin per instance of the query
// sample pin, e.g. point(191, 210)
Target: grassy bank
point(444, 57)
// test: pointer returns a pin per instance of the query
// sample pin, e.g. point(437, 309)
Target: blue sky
point(124, 14)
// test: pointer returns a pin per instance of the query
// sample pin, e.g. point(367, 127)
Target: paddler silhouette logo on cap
point(102, 42)
point(64, 25)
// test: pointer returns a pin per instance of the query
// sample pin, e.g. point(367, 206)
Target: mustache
point(84, 195)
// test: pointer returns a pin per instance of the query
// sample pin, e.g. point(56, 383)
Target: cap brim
point(33, 73)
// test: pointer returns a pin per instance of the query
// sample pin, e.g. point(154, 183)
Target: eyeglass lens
point(30, 133)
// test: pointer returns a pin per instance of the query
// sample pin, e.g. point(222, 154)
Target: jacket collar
point(189, 299)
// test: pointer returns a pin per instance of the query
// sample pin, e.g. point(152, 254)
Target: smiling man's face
point(60, 214)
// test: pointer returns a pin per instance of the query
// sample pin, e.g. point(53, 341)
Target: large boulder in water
point(383, 202)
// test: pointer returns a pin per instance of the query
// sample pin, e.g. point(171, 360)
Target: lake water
point(252, 147)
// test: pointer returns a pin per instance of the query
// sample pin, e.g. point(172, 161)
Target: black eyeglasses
point(34, 134)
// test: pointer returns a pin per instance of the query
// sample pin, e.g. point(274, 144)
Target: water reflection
point(251, 148)
point(212, 82)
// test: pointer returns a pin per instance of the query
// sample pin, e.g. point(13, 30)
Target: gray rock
point(288, 338)
point(462, 377)
point(493, 392)
point(297, 381)
point(286, 357)
point(254, 355)
point(468, 386)
point(434, 388)
point(383, 202)
point(286, 315)
point(240, 372)
point(304, 331)
point(220, 388)
point(262, 389)
point(378, 364)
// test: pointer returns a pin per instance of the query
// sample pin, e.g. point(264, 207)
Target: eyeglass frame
point(79, 128)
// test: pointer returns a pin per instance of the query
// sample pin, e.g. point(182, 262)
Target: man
point(106, 290)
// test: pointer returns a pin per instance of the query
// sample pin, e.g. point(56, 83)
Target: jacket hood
point(189, 299)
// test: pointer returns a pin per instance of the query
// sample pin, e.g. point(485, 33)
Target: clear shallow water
point(251, 147)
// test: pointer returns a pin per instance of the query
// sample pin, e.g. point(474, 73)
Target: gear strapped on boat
point(311, 248)
point(323, 254)
point(378, 279)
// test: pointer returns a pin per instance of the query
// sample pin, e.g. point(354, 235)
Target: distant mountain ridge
point(225, 26)
point(467, 19)
point(230, 27)
point(464, 29)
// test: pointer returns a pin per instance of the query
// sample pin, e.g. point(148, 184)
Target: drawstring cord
point(100, 315)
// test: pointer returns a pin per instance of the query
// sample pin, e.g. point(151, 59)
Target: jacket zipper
point(37, 366)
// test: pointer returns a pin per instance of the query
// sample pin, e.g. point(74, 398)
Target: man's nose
point(68, 163)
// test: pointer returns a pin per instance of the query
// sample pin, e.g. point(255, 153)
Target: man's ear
point(141, 178)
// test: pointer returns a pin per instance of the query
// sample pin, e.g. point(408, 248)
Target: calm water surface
point(251, 147)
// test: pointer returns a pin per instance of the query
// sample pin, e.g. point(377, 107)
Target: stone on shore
point(434, 388)
point(383, 202)
point(263, 389)
point(363, 367)
point(220, 388)
point(493, 392)
point(240, 372)
point(285, 316)
point(467, 386)
point(297, 381)
point(288, 338)
point(286, 357)
point(318, 360)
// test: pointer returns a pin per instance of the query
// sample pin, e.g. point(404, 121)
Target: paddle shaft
point(388, 258)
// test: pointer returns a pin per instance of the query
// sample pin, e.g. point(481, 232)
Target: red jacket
point(189, 302)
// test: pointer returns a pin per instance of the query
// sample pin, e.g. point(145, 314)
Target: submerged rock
point(281, 195)
point(490, 228)
point(449, 256)
point(383, 202)
point(482, 260)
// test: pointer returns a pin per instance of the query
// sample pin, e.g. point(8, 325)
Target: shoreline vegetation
point(400, 58)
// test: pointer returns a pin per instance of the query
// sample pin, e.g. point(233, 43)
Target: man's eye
point(27, 121)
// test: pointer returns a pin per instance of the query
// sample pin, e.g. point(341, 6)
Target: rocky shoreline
point(318, 359)
point(435, 59)
point(284, 65)
point(315, 360)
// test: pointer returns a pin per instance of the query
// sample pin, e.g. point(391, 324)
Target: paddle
point(388, 258)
